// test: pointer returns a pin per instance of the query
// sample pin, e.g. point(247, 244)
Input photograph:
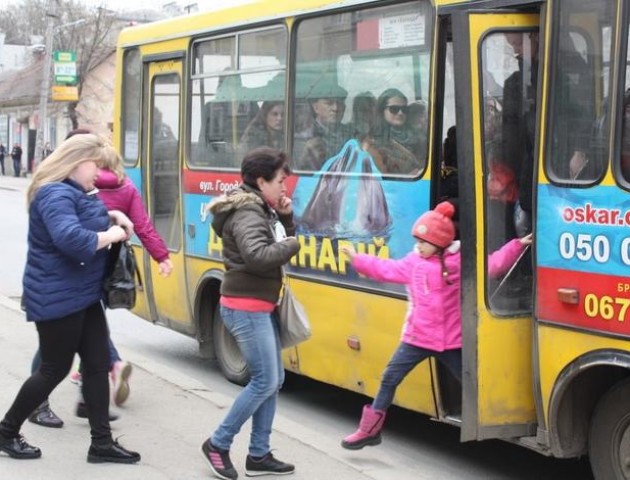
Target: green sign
point(59, 56)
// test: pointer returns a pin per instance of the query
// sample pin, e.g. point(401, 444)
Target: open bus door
point(496, 56)
point(161, 176)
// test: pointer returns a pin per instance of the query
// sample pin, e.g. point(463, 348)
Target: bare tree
point(90, 32)
point(93, 41)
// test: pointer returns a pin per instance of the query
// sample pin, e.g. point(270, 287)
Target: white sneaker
point(119, 375)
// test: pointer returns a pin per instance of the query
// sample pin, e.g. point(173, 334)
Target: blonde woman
point(69, 233)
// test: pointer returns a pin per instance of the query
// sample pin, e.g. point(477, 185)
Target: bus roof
point(244, 12)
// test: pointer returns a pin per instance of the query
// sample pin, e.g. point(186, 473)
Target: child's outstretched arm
point(501, 260)
point(383, 270)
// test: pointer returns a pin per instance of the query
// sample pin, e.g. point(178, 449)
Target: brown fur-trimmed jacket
point(253, 258)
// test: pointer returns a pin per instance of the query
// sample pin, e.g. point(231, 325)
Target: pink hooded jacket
point(124, 196)
point(433, 319)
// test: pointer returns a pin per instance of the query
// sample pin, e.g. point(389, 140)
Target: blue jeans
point(257, 337)
point(405, 358)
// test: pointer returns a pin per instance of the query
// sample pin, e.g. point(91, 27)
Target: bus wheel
point(609, 438)
point(231, 362)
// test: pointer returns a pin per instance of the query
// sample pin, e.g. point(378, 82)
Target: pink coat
point(124, 196)
point(433, 319)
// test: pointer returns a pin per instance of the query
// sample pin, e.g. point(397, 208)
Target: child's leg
point(405, 358)
point(452, 359)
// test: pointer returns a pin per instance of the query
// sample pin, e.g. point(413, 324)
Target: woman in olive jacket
point(253, 222)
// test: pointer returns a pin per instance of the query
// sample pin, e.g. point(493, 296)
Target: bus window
point(510, 72)
point(625, 121)
point(580, 128)
point(363, 76)
point(131, 82)
point(238, 96)
point(165, 157)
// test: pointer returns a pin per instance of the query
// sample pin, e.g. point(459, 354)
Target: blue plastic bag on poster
point(347, 200)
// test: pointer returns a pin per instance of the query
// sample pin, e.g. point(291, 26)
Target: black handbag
point(119, 287)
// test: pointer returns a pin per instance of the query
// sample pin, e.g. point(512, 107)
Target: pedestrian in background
point(3, 151)
point(16, 155)
point(69, 233)
point(253, 221)
point(47, 150)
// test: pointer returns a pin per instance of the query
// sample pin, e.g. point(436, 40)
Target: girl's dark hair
point(263, 162)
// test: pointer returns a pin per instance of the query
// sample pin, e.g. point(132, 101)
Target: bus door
point(498, 397)
point(161, 170)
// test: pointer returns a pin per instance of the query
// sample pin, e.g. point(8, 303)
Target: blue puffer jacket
point(64, 271)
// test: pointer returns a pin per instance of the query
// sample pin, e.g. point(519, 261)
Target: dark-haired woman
point(265, 129)
point(255, 222)
point(398, 146)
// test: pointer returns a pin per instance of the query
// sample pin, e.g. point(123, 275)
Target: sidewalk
point(169, 416)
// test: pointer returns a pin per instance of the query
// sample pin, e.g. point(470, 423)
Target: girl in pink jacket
point(433, 323)
point(117, 192)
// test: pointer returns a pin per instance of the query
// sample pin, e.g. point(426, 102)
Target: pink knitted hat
point(436, 226)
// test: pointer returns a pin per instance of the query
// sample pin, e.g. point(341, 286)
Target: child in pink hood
point(433, 323)
point(118, 193)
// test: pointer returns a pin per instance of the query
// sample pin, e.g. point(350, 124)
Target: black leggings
point(85, 333)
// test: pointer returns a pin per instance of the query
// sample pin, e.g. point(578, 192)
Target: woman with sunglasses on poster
point(396, 145)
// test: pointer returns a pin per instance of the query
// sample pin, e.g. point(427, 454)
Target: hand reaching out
point(349, 251)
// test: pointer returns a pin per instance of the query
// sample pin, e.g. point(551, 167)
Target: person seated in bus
point(433, 323)
point(396, 145)
point(449, 186)
point(363, 114)
point(223, 119)
point(325, 135)
point(519, 123)
point(266, 129)
point(575, 115)
point(418, 121)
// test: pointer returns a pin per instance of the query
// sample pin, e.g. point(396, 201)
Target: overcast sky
point(140, 4)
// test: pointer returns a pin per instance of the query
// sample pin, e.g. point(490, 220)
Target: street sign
point(59, 56)
point(64, 93)
point(65, 68)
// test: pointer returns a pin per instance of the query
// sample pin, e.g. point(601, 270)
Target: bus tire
point(609, 436)
point(229, 358)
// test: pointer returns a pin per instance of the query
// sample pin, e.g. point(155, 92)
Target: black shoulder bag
point(119, 287)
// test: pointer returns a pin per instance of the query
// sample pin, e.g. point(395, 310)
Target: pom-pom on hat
point(436, 226)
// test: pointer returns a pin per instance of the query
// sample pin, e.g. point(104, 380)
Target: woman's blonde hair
point(60, 164)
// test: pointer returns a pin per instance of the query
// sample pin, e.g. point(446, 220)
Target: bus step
point(454, 419)
point(533, 444)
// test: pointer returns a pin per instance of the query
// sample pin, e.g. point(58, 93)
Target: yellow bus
point(513, 109)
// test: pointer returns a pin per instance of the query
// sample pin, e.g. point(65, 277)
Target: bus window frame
point(413, 51)
point(622, 74)
point(488, 292)
point(150, 131)
point(235, 33)
point(129, 162)
point(550, 94)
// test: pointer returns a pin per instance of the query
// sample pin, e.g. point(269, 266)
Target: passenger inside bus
point(448, 186)
point(325, 135)
point(223, 121)
point(396, 143)
point(509, 109)
point(266, 129)
point(519, 122)
point(575, 111)
point(363, 114)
